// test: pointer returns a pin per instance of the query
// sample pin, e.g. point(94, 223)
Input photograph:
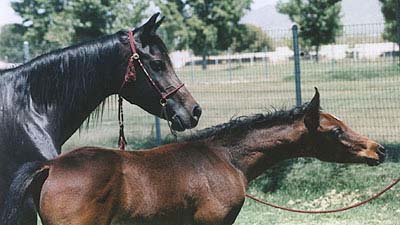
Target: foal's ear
point(311, 118)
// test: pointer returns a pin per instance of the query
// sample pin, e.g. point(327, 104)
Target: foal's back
point(103, 186)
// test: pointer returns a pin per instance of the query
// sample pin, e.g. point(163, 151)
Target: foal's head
point(329, 139)
point(182, 109)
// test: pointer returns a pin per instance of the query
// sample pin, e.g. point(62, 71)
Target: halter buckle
point(163, 102)
point(135, 56)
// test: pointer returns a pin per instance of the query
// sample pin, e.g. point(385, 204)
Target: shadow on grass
point(393, 152)
point(273, 179)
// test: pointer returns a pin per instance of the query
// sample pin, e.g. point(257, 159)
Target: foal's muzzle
point(381, 155)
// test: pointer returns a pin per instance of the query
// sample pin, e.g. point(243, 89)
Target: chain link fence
point(358, 78)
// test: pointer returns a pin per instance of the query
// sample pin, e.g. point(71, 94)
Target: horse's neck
point(80, 85)
point(260, 149)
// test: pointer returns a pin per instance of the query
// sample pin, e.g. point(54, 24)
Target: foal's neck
point(258, 150)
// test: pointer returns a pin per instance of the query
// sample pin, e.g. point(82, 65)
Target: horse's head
point(146, 90)
point(330, 139)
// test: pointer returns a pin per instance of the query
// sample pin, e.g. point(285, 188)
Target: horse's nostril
point(381, 149)
point(196, 112)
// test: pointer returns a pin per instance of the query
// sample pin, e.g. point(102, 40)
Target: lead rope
point(122, 143)
point(325, 211)
point(130, 75)
point(121, 140)
point(165, 114)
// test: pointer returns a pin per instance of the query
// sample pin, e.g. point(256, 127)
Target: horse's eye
point(337, 132)
point(157, 65)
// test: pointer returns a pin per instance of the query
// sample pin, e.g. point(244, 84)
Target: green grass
point(366, 94)
point(317, 185)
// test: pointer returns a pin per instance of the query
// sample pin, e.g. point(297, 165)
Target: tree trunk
point(317, 53)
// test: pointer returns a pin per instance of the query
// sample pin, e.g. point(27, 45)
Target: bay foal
point(200, 181)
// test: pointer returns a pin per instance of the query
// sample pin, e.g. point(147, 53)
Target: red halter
point(130, 75)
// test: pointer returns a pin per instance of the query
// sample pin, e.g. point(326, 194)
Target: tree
point(204, 26)
point(319, 20)
point(391, 13)
point(251, 39)
point(57, 23)
point(11, 43)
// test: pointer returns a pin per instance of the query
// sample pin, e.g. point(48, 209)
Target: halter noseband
point(130, 75)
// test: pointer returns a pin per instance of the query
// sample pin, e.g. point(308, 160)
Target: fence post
point(398, 28)
point(26, 52)
point(192, 66)
point(266, 61)
point(158, 130)
point(296, 63)
point(229, 65)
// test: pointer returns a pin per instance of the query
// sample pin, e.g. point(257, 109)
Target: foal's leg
point(211, 212)
point(214, 213)
point(232, 215)
point(28, 213)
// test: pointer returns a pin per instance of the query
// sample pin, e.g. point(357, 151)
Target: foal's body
point(161, 186)
point(200, 181)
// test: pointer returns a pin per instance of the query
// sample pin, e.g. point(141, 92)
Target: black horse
point(43, 102)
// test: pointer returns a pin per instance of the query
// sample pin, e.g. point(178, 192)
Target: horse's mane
point(62, 75)
point(70, 71)
point(244, 123)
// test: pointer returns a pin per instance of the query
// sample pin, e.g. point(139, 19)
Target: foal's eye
point(157, 65)
point(337, 132)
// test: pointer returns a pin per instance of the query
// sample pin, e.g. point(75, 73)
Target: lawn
point(366, 94)
point(317, 185)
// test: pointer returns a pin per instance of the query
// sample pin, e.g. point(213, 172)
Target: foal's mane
point(244, 123)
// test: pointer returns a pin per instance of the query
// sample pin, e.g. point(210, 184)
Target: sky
point(260, 3)
point(7, 15)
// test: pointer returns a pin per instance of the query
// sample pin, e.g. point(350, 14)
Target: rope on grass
point(325, 211)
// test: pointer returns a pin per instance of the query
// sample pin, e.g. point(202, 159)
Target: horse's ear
point(311, 118)
point(151, 25)
point(158, 23)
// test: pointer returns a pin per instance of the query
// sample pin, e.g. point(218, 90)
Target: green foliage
point(11, 43)
point(389, 12)
point(319, 20)
point(203, 26)
point(251, 39)
point(54, 24)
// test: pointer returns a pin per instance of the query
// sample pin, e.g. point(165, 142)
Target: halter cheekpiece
point(130, 75)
